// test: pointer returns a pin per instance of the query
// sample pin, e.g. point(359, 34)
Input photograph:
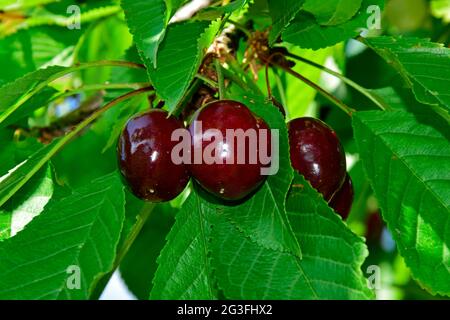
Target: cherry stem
point(240, 27)
point(220, 79)
point(235, 66)
point(141, 219)
point(319, 89)
point(269, 89)
point(346, 80)
point(207, 80)
point(186, 97)
point(57, 75)
point(105, 86)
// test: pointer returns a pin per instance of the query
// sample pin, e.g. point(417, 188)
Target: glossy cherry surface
point(144, 152)
point(317, 154)
point(342, 200)
point(229, 181)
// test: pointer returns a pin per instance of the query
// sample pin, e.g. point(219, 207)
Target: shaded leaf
point(424, 65)
point(26, 204)
point(184, 269)
point(81, 230)
point(407, 161)
point(329, 269)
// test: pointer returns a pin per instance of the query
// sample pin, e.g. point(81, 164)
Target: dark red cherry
point(144, 153)
point(317, 154)
point(342, 200)
point(222, 175)
point(375, 226)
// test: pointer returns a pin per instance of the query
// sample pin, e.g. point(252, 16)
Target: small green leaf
point(424, 65)
point(77, 235)
point(407, 160)
point(26, 204)
point(184, 270)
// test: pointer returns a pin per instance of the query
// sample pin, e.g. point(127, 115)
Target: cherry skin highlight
point(226, 180)
point(317, 154)
point(144, 154)
point(342, 200)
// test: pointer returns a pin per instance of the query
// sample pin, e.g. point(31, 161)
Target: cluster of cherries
point(145, 148)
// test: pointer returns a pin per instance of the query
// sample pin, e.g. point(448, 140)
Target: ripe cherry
point(144, 153)
point(342, 200)
point(225, 177)
point(317, 154)
point(375, 226)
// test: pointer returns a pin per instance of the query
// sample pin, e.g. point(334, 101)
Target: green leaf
point(407, 160)
point(97, 45)
point(139, 265)
point(147, 22)
point(15, 95)
point(21, 173)
point(39, 47)
point(305, 32)
point(263, 217)
point(329, 269)
point(12, 181)
point(129, 75)
point(81, 230)
point(26, 204)
point(424, 65)
point(282, 13)
point(179, 57)
point(11, 92)
point(184, 270)
point(332, 12)
point(300, 96)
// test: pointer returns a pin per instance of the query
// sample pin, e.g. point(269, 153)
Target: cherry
point(342, 200)
point(228, 181)
point(144, 154)
point(317, 154)
point(375, 226)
